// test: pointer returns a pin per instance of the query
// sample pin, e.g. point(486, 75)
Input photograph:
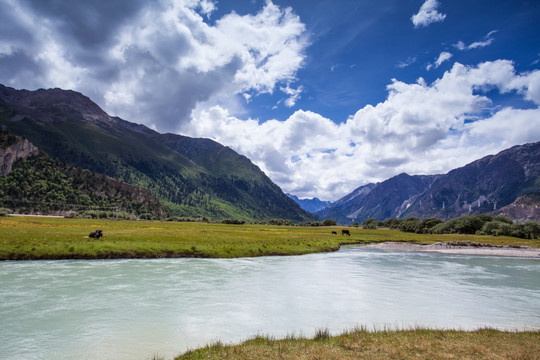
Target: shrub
point(409, 224)
point(503, 219)
point(280, 222)
point(485, 217)
point(147, 216)
point(329, 222)
point(532, 229)
point(427, 225)
point(492, 228)
point(370, 223)
point(518, 230)
point(233, 221)
point(504, 229)
point(468, 224)
point(444, 228)
point(392, 223)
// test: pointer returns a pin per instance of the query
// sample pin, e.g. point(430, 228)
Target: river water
point(133, 309)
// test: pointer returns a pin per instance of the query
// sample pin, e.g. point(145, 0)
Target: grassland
point(421, 344)
point(24, 238)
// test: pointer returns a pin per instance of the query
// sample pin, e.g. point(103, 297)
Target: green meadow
point(25, 237)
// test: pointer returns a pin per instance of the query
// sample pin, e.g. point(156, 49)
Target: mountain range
point(312, 205)
point(200, 177)
point(190, 177)
point(507, 183)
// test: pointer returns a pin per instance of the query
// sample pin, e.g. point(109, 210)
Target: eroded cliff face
point(13, 148)
point(525, 208)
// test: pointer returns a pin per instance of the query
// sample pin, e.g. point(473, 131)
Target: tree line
point(477, 224)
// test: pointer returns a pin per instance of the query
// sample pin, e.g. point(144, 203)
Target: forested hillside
point(39, 184)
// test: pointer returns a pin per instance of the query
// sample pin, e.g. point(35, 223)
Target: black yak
point(98, 234)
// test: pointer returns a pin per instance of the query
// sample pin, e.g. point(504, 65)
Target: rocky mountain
point(13, 148)
point(482, 186)
point(342, 210)
point(525, 208)
point(388, 199)
point(310, 205)
point(191, 177)
point(32, 182)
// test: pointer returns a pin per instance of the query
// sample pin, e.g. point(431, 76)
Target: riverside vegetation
point(24, 238)
point(482, 224)
point(422, 344)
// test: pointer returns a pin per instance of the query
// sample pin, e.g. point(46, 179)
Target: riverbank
point(40, 238)
point(461, 248)
point(421, 344)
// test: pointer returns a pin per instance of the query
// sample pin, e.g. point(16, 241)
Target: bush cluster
point(233, 221)
point(98, 214)
point(476, 224)
point(327, 222)
point(370, 224)
point(186, 219)
point(279, 222)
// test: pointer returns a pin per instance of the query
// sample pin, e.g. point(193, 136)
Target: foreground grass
point(362, 344)
point(23, 238)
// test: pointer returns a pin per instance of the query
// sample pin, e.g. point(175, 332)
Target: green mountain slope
point(190, 176)
point(37, 184)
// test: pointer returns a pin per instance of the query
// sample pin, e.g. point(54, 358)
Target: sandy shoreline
point(460, 248)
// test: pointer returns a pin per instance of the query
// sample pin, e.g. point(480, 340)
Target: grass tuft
point(322, 334)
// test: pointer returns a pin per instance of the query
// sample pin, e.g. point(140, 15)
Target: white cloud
point(152, 62)
point(409, 61)
point(294, 94)
point(488, 40)
point(420, 128)
point(427, 14)
point(444, 56)
point(207, 7)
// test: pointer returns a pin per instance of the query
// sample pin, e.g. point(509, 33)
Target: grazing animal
point(334, 233)
point(98, 234)
point(345, 232)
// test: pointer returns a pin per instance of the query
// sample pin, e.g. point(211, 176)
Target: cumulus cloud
point(420, 128)
point(444, 56)
point(150, 62)
point(488, 40)
point(427, 14)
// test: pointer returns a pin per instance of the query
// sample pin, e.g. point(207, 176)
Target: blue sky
point(324, 96)
point(357, 47)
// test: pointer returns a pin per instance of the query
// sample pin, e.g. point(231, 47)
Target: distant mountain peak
point(311, 205)
point(48, 105)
